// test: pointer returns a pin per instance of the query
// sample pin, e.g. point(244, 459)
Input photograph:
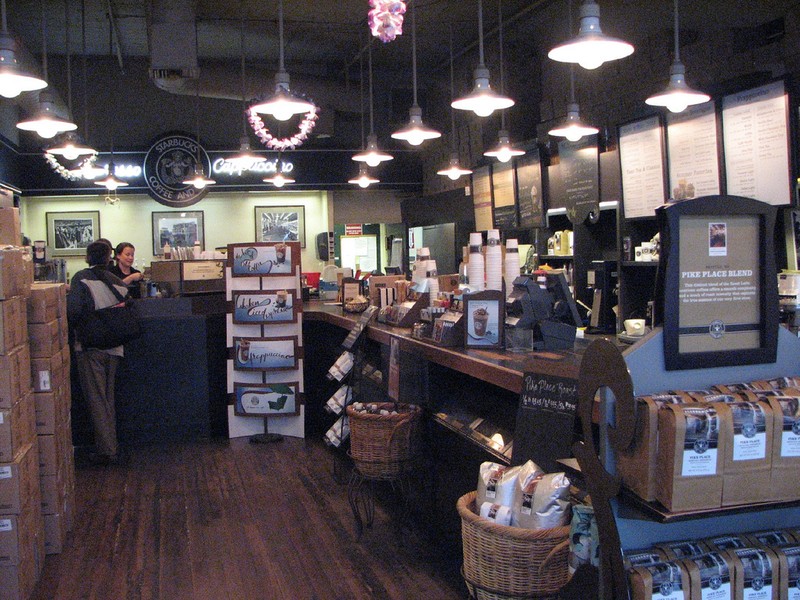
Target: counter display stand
point(624, 521)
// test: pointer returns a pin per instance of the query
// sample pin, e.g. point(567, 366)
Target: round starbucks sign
point(168, 163)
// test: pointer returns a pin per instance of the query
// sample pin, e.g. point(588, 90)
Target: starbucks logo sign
point(168, 163)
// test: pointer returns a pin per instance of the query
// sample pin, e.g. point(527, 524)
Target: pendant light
point(13, 80)
point(371, 154)
point(364, 179)
point(45, 121)
point(279, 179)
point(415, 132)
point(482, 100)
point(454, 170)
point(591, 48)
point(503, 151)
point(111, 182)
point(282, 104)
point(678, 95)
point(246, 157)
point(572, 127)
point(70, 146)
point(198, 178)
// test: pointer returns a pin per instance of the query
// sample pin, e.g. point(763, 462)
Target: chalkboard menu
point(529, 190)
point(545, 420)
point(580, 169)
point(505, 207)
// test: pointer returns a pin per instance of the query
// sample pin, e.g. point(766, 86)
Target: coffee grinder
point(602, 282)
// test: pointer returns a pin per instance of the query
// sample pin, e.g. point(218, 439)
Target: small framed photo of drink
point(264, 259)
point(266, 399)
point(265, 307)
point(485, 319)
point(265, 354)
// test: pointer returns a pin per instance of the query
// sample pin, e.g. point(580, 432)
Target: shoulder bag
point(110, 327)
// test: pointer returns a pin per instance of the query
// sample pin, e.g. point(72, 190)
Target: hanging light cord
point(3, 8)
point(571, 65)
point(83, 74)
point(452, 93)
point(480, 34)
point(44, 44)
point(361, 95)
point(677, 36)
point(414, 48)
point(371, 115)
point(241, 50)
point(69, 56)
point(280, 36)
point(500, 41)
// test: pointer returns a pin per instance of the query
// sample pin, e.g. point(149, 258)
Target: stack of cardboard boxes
point(50, 364)
point(21, 523)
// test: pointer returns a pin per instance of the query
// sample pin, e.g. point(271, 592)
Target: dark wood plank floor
point(225, 519)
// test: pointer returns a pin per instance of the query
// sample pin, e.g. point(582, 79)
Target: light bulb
point(453, 175)
point(282, 113)
point(677, 105)
point(573, 135)
point(363, 182)
point(483, 110)
point(47, 131)
point(111, 185)
point(8, 89)
point(504, 155)
point(70, 152)
point(415, 138)
point(278, 182)
point(591, 62)
point(199, 183)
point(373, 160)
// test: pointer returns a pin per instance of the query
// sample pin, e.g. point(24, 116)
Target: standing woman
point(124, 253)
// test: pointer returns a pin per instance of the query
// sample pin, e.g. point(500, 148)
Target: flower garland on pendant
point(70, 175)
point(386, 19)
point(287, 143)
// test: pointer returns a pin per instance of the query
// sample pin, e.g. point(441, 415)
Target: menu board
point(692, 152)
point(641, 160)
point(505, 208)
point(580, 170)
point(482, 198)
point(756, 141)
point(529, 190)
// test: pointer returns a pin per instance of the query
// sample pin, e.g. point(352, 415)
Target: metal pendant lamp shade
point(572, 127)
point(111, 182)
point(591, 48)
point(453, 170)
point(364, 179)
point(278, 180)
point(13, 80)
point(371, 155)
point(71, 148)
point(482, 100)
point(283, 104)
point(678, 95)
point(415, 132)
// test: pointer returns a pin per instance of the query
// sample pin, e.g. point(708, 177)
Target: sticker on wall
point(264, 259)
point(266, 400)
point(265, 354)
point(265, 307)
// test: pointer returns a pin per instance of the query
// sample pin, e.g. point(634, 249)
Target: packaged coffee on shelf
point(710, 576)
point(769, 538)
point(756, 574)
point(663, 581)
point(727, 542)
point(683, 549)
point(642, 557)
point(789, 561)
point(540, 501)
point(496, 482)
point(784, 482)
point(496, 512)
point(637, 465)
point(691, 449)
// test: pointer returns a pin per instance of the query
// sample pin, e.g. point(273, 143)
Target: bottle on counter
point(196, 250)
point(167, 251)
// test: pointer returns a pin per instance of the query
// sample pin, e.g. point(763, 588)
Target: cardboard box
point(52, 412)
point(17, 532)
point(44, 339)
point(15, 375)
point(17, 428)
point(13, 326)
point(52, 449)
point(710, 575)
point(54, 493)
point(26, 533)
point(55, 533)
point(691, 453)
point(45, 372)
point(377, 283)
point(19, 480)
point(16, 273)
point(789, 560)
point(43, 303)
point(660, 580)
point(10, 230)
point(448, 283)
point(756, 573)
point(637, 465)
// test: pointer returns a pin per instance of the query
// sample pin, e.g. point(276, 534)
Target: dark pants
point(97, 371)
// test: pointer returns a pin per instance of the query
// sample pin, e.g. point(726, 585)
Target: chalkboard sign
point(545, 420)
point(529, 190)
point(580, 169)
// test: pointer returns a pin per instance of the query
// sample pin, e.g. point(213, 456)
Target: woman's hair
point(121, 247)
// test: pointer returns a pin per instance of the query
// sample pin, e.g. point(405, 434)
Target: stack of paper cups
point(433, 281)
point(494, 261)
point(420, 265)
point(475, 268)
point(511, 264)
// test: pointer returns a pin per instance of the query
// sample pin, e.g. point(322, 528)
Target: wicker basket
point(382, 446)
point(502, 562)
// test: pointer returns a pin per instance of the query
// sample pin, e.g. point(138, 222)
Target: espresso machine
point(602, 280)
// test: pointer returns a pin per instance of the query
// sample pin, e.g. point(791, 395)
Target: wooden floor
point(218, 520)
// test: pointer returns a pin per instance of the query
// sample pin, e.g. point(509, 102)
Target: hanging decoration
point(267, 138)
point(386, 19)
point(79, 173)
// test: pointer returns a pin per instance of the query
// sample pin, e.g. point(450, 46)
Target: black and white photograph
point(69, 233)
point(179, 228)
point(281, 224)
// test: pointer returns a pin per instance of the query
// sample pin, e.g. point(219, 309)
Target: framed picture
point(281, 224)
point(266, 399)
point(267, 307)
point(266, 259)
point(69, 233)
point(265, 354)
point(485, 314)
point(179, 228)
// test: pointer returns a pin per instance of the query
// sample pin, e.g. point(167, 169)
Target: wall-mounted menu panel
point(529, 190)
point(641, 157)
point(755, 126)
point(482, 198)
point(693, 152)
point(505, 206)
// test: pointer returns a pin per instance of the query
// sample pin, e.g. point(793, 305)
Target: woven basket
point(382, 446)
point(502, 562)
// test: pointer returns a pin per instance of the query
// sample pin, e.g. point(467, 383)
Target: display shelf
point(499, 452)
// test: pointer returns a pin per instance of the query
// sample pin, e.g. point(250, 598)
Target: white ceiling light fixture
point(283, 104)
point(572, 127)
point(278, 180)
point(482, 100)
point(364, 179)
point(415, 132)
point(678, 95)
point(111, 182)
point(198, 178)
point(503, 151)
point(45, 120)
point(371, 155)
point(13, 80)
point(591, 48)
point(453, 170)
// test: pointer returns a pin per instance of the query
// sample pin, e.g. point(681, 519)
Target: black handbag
point(112, 326)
